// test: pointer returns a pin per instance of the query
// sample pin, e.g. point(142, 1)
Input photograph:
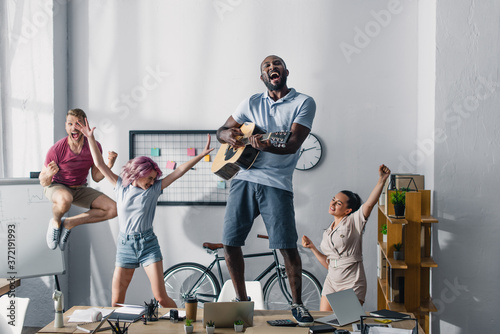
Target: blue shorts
point(246, 201)
point(133, 250)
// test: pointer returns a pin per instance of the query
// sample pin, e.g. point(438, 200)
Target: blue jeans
point(133, 250)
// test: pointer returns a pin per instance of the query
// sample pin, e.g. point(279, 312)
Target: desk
point(165, 326)
point(5, 285)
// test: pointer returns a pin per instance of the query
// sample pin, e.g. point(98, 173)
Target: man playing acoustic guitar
point(266, 187)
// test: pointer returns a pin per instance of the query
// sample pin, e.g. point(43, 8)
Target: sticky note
point(170, 164)
point(191, 152)
point(207, 158)
point(155, 152)
point(221, 185)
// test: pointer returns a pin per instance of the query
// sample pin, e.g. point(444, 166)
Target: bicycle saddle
point(212, 246)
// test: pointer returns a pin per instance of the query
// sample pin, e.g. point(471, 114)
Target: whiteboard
point(24, 217)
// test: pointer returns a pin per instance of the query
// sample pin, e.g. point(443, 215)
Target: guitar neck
point(265, 136)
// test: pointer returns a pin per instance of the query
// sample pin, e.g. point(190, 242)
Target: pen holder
point(117, 329)
point(152, 310)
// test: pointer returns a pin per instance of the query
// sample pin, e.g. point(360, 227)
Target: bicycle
point(193, 279)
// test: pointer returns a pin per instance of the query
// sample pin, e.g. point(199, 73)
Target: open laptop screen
point(224, 314)
point(346, 308)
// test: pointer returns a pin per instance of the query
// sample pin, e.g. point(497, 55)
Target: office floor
point(31, 330)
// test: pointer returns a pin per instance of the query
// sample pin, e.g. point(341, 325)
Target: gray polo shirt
point(275, 170)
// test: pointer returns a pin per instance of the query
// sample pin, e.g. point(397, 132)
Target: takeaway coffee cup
point(191, 308)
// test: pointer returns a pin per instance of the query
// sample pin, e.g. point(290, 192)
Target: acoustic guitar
point(229, 160)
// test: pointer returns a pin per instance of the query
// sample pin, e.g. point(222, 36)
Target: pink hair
point(137, 168)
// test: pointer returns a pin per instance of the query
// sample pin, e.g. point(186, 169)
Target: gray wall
point(465, 286)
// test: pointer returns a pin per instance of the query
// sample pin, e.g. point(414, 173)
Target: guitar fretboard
point(265, 136)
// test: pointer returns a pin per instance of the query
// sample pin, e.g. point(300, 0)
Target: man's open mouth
point(274, 75)
point(75, 135)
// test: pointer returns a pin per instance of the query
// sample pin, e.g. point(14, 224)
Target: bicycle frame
point(275, 264)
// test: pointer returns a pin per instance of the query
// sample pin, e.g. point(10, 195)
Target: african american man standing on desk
point(266, 188)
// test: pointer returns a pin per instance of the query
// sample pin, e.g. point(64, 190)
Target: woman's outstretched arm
point(384, 173)
point(96, 154)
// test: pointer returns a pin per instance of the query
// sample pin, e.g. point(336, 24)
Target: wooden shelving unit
point(404, 285)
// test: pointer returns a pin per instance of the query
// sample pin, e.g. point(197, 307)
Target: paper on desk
point(130, 309)
point(82, 316)
point(384, 330)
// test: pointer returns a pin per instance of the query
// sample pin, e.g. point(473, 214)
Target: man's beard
point(272, 87)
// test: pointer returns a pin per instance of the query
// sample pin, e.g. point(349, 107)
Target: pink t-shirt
point(73, 168)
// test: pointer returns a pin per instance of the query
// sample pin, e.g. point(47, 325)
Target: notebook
point(346, 308)
point(126, 317)
point(388, 314)
point(128, 313)
point(224, 314)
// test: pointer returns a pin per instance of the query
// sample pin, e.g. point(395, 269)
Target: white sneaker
point(63, 240)
point(53, 235)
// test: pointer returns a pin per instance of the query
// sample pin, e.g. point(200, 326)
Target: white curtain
point(27, 85)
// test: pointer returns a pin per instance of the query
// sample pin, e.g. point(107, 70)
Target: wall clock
point(310, 153)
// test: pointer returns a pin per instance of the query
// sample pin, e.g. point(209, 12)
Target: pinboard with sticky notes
point(170, 149)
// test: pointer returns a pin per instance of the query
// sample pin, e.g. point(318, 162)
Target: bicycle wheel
point(275, 300)
point(188, 278)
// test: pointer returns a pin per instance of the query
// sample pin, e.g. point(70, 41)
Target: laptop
point(346, 308)
point(224, 314)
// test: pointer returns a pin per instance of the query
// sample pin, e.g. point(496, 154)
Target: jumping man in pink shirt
point(64, 178)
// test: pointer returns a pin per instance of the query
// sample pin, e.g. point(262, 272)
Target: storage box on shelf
point(404, 285)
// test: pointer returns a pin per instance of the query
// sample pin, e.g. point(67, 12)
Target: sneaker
point(63, 240)
point(301, 315)
point(53, 235)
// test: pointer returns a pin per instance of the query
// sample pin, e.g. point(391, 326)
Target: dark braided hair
point(354, 201)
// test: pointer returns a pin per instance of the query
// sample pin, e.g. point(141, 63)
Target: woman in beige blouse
point(341, 251)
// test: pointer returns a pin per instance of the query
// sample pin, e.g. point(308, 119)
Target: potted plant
point(398, 255)
point(398, 199)
point(238, 326)
point(384, 232)
point(188, 326)
point(210, 327)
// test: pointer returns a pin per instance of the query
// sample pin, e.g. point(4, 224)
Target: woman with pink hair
point(137, 189)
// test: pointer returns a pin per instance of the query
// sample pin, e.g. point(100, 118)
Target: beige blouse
point(343, 248)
